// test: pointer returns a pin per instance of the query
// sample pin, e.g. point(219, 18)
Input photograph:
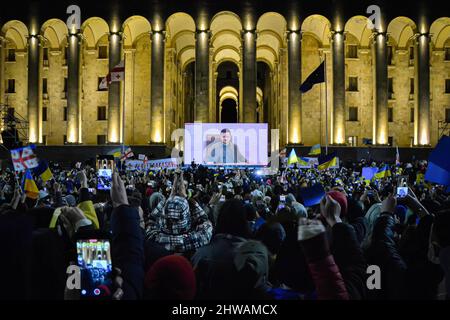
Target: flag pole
point(123, 103)
point(15, 173)
point(326, 102)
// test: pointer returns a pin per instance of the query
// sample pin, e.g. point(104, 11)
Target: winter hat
point(155, 199)
point(400, 212)
point(299, 209)
point(257, 194)
point(42, 194)
point(252, 262)
point(272, 235)
point(70, 200)
point(290, 199)
point(171, 278)
point(341, 199)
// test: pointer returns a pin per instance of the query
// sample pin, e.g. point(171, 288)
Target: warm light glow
point(114, 136)
point(157, 136)
point(71, 137)
point(340, 139)
point(424, 140)
point(202, 22)
point(114, 38)
point(33, 133)
point(293, 24)
point(382, 138)
point(34, 27)
point(295, 135)
point(422, 24)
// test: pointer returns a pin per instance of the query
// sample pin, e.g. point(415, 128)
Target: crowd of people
point(202, 233)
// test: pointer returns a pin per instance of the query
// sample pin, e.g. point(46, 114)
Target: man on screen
point(224, 151)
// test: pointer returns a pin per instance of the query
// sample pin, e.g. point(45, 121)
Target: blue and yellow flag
point(292, 158)
point(116, 153)
point(327, 161)
point(303, 161)
point(315, 150)
point(29, 186)
point(43, 170)
point(420, 178)
point(383, 172)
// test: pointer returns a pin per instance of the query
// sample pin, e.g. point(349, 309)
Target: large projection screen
point(226, 144)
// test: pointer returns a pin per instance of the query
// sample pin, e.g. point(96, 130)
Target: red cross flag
point(128, 154)
point(115, 75)
point(24, 158)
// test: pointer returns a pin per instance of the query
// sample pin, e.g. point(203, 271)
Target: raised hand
point(118, 192)
point(389, 204)
point(330, 209)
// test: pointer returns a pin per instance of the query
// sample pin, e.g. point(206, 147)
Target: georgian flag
point(24, 158)
point(115, 75)
point(143, 158)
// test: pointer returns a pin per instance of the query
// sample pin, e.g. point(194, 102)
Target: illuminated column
point(33, 89)
point(202, 75)
point(249, 75)
point(338, 122)
point(73, 90)
point(157, 88)
point(422, 83)
point(2, 69)
point(115, 55)
point(295, 101)
point(380, 119)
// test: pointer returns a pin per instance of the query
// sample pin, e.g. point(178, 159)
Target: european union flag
point(368, 172)
point(318, 76)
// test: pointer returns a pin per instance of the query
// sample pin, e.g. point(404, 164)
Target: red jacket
point(324, 271)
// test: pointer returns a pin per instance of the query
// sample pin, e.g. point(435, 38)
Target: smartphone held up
point(94, 260)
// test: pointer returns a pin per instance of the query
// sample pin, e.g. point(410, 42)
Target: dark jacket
point(214, 267)
point(128, 250)
point(16, 249)
point(349, 257)
point(423, 276)
point(384, 253)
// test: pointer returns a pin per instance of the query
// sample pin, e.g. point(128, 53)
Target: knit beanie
point(341, 199)
point(171, 278)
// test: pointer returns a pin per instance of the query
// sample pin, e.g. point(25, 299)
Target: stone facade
point(226, 45)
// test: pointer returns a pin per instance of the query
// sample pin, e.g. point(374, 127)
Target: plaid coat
point(179, 226)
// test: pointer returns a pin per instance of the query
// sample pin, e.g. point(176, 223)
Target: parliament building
point(227, 61)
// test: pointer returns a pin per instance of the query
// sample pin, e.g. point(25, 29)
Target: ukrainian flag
point(315, 150)
point(116, 153)
point(383, 172)
point(43, 170)
point(303, 161)
point(327, 161)
point(292, 158)
point(420, 178)
point(29, 186)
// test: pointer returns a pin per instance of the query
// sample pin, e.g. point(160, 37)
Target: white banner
point(132, 165)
